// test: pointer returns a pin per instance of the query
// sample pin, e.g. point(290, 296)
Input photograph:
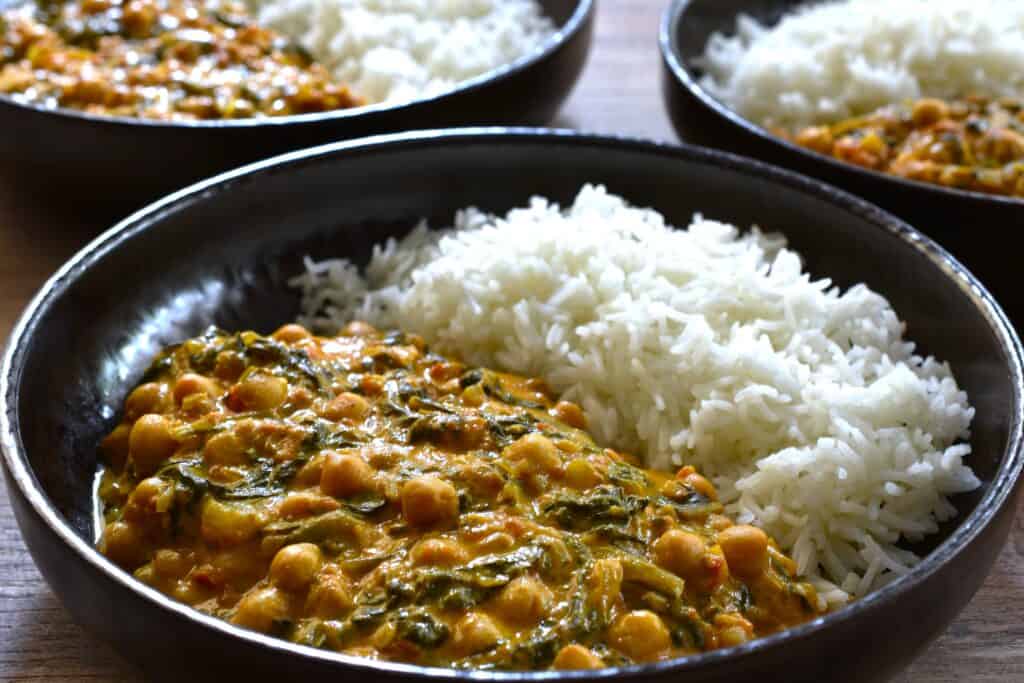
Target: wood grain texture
point(619, 93)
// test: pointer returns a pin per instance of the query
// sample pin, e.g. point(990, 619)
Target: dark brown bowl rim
point(672, 56)
point(15, 459)
point(582, 11)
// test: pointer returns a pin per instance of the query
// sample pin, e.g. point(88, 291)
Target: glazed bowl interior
point(220, 253)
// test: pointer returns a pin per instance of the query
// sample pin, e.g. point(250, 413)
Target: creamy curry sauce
point(365, 495)
point(975, 143)
point(174, 60)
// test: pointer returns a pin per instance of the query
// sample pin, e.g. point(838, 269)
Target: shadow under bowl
point(975, 227)
point(221, 252)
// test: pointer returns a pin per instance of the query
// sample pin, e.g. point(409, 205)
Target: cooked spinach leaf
point(420, 628)
point(600, 506)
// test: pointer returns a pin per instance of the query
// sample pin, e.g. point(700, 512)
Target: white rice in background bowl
point(834, 60)
point(708, 346)
point(399, 50)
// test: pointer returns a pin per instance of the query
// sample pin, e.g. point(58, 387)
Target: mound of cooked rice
point(835, 60)
point(804, 404)
point(397, 50)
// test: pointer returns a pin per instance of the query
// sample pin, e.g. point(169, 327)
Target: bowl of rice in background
point(889, 53)
point(418, 64)
point(792, 341)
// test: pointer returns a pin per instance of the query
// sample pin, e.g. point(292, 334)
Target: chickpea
point(732, 636)
point(124, 545)
point(719, 522)
point(295, 566)
point(956, 176)
point(442, 552)
point(331, 594)
point(1002, 145)
point(357, 328)
point(226, 524)
point(225, 448)
point(150, 442)
point(115, 446)
point(746, 550)
point(429, 501)
point(733, 629)
point(498, 542)
point(371, 385)
point(346, 406)
point(258, 391)
point(146, 398)
point(581, 474)
point(138, 17)
point(291, 333)
point(689, 476)
point(534, 453)
point(680, 552)
point(576, 657)
point(441, 373)
point(195, 405)
point(95, 6)
point(152, 497)
point(568, 446)
point(229, 366)
point(818, 138)
point(853, 150)
point(569, 413)
point(190, 383)
point(928, 111)
point(524, 601)
point(641, 635)
point(172, 564)
point(260, 608)
point(146, 574)
point(473, 395)
point(483, 480)
point(346, 474)
point(305, 503)
point(474, 633)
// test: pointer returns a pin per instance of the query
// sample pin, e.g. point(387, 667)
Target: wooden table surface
point(619, 93)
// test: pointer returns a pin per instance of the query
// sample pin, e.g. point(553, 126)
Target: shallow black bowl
point(219, 252)
point(973, 226)
point(110, 166)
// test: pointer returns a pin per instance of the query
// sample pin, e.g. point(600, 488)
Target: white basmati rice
point(804, 404)
point(399, 50)
point(834, 60)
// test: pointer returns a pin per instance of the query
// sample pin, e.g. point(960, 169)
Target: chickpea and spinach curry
point(174, 60)
point(365, 495)
point(976, 143)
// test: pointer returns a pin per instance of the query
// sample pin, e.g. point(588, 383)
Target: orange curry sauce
point(159, 59)
point(972, 144)
point(364, 495)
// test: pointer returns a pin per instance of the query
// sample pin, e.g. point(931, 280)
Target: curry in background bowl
point(971, 154)
point(168, 60)
point(975, 143)
point(110, 104)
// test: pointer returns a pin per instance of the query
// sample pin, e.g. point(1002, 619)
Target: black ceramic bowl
point(110, 166)
point(220, 252)
point(973, 226)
